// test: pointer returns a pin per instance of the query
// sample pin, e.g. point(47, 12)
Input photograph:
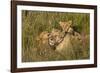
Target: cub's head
point(55, 37)
point(65, 25)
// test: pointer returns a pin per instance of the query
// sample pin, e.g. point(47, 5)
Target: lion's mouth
point(51, 43)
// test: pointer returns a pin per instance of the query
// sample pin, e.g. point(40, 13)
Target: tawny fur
point(43, 37)
point(65, 25)
point(55, 37)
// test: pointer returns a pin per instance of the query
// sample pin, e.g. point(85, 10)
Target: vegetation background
point(35, 22)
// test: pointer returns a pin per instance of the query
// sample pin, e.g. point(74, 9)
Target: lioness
point(43, 37)
point(55, 37)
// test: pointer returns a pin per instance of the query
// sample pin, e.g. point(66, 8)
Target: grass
point(35, 22)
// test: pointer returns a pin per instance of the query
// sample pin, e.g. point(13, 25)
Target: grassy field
point(35, 22)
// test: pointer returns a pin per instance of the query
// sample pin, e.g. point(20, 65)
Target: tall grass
point(35, 22)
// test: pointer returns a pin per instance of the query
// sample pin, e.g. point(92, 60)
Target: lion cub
point(66, 26)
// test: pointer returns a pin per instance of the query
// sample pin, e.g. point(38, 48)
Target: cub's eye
point(51, 39)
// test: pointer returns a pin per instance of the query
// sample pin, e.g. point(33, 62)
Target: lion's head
point(55, 37)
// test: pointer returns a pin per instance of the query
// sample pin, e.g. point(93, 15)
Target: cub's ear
point(70, 22)
point(60, 22)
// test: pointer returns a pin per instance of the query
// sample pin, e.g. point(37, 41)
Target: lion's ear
point(60, 22)
point(48, 34)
